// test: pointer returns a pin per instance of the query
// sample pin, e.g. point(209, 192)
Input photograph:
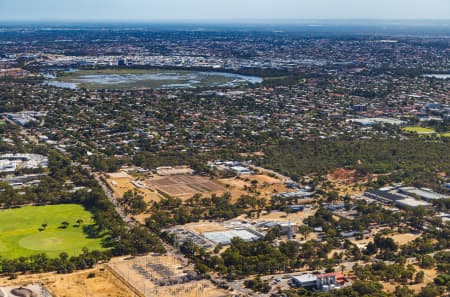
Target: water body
point(60, 84)
point(438, 76)
point(158, 79)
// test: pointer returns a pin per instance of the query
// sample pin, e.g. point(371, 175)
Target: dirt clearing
point(186, 186)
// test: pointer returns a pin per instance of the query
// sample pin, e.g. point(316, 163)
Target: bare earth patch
point(186, 186)
point(77, 284)
point(266, 186)
point(401, 239)
point(121, 182)
point(430, 274)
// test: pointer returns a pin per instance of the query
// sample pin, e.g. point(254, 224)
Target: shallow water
point(169, 79)
point(439, 76)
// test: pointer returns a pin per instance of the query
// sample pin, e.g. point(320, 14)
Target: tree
point(371, 249)
point(419, 277)
point(257, 284)
point(304, 230)
point(133, 202)
point(430, 291)
point(426, 261)
point(290, 248)
point(403, 291)
point(189, 248)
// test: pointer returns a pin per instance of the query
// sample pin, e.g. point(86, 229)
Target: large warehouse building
point(224, 237)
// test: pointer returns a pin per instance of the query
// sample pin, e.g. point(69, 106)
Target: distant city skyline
point(201, 10)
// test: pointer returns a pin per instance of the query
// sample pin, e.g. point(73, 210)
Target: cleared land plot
point(418, 129)
point(76, 284)
point(121, 182)
point(206, 227)
point(102, 285)
point(425, 131)
point(186, 186)
point(147, 273)
point(349, 182)
point(430, 274)
point(20, 235)
point(266, 186)
point(278, 216)
point(405, 238)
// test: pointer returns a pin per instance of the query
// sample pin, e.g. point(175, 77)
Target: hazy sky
point(154, 10)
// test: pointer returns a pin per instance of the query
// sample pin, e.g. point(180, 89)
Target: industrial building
point(232, 167)
point(411, 203)
point(359, 108)
point(336, 206)
point(241, 170)
point(224, 237)
point(423, 193)
point(23, 180)
point(383, 196)
point(9, 163)
point(375, 121)
point(25, 117)
point(300, 194)
point(285, 227)
point(305, 281)
point(324, 282)
point(296, 208)
point(219, 234)
point(404, 196)
point(178, 170)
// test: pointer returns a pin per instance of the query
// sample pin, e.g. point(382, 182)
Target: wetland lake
point(149, 79)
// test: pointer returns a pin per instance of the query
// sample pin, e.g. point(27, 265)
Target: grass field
point(424, 130)
point(20, 234)
point(418, 129)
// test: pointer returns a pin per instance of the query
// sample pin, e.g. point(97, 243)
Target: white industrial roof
point(426, 194)
point(411, 202)
point(224, 237)
point(306, 278)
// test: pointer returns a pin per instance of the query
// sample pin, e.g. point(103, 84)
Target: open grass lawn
point(446, 134)
point(20, 233)
point(423, 130)
point(418, 129)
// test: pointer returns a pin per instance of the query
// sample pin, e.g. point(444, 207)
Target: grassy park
point(425, 131)
point(418, 129)
point(49, 229)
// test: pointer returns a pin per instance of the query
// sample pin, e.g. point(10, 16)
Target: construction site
point(154, 186)
point(185, 186)
point(258, 181)
point(181, 182)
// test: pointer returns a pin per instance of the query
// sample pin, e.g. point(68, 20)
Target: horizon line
point(224, 20)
